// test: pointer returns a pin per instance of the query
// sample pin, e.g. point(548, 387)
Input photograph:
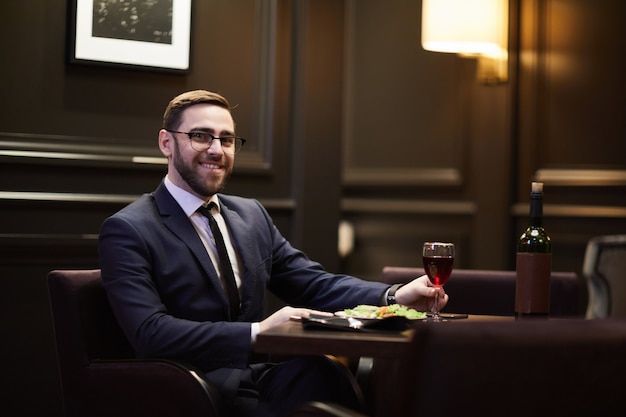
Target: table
point(386, 349)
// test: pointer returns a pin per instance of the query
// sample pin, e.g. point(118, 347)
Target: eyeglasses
point(201, 141)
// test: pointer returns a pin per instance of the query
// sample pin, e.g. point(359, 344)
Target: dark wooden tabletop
point(291, 339)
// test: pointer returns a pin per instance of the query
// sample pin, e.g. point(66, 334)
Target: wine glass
point(438, 258)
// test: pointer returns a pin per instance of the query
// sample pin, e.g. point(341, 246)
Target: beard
point(197, 182)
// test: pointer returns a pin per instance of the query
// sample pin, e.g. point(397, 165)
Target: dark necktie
point(227, 271)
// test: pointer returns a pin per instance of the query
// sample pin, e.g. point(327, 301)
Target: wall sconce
point(474, 28)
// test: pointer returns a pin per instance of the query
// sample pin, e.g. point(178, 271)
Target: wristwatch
point(390, 296)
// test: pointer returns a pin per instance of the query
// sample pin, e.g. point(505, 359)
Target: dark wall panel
point(571, 130)
point(423, 138)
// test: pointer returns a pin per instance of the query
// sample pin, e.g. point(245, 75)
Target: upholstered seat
point(493, 292)
point(99, 374)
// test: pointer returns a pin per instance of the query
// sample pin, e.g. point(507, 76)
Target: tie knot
point(207, 211)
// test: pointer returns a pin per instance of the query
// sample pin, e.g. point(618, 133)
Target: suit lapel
point(174, 218)
point(238, 231)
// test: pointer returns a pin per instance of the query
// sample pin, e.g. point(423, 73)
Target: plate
point(368, 312)
point(387, 324)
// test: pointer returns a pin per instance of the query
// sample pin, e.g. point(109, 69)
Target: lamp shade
point(465, 26)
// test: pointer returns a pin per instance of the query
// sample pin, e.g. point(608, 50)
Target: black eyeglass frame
point(238, 141)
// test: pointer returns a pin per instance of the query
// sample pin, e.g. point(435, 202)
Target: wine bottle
point(534, 263)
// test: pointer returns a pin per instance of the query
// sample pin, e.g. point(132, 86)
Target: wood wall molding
point(573, 211)
point(387, 206)
point(269, 203)
point(67, 197)
point(372, 177)
point(582, 177)
point(66, 150)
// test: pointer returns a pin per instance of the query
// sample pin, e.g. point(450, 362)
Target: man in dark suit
point(174, 296)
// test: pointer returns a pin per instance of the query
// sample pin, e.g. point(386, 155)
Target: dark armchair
point(604, 269)
point(99, 374)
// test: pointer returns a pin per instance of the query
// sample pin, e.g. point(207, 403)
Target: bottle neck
point(536, 209)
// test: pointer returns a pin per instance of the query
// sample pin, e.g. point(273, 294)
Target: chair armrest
point(155, 387)
point(320, 409)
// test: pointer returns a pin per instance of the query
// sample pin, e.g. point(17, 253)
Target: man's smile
point(210, 165)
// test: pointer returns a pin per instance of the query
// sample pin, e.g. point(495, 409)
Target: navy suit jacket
point(166, 293)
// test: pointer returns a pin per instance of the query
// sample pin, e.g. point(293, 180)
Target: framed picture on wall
point(151, 34)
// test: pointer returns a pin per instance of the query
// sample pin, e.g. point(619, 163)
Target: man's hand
point(284, 314)
point(420, 295)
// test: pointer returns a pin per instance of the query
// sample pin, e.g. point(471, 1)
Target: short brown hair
point(172, 115)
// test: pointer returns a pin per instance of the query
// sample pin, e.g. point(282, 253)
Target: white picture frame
point(148, 34)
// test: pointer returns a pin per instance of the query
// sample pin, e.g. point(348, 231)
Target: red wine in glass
point(438, 259)
point(438, 269)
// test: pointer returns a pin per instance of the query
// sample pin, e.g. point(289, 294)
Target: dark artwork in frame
point(138, 20)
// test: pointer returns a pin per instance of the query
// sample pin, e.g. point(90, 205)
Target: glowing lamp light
point(470, 28)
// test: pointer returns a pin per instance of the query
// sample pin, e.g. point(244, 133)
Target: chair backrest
point(556, 367)
point(100, 375)
point(492, 292)
point(604, 269)
point(84, 325)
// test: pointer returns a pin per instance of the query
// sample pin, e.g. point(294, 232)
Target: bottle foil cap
point(537, 187)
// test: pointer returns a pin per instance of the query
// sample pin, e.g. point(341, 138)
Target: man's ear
point(166, 143)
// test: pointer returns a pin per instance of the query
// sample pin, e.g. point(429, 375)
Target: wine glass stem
point(436, 314)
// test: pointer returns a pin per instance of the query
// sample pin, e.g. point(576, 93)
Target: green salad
point(365, 311)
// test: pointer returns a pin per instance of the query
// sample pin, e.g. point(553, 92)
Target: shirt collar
point(187, 201)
